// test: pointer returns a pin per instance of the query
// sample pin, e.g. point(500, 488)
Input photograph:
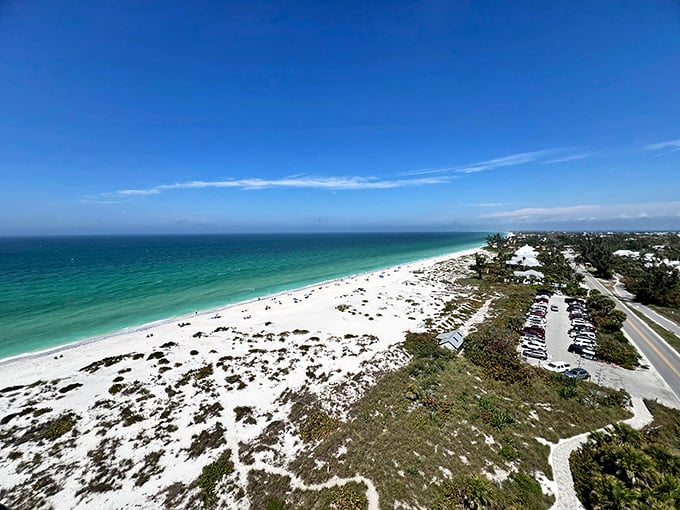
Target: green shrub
point(318, 425)
point(275, 504)
point(211, 476)
point(116, 388)
point(69, 387)
point(242, 412)
point(58, 427)
point(346, 498)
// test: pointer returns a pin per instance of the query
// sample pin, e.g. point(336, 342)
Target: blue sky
point(149, 116)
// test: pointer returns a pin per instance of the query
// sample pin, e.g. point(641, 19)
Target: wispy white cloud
point(511, 160)
point(666, 147)
point(490, 204)
point(564, 159)
point(97, 200)
point(590, 212)
point(330, 183)
point(489, 164)
point(428, 171)
point(669, 144)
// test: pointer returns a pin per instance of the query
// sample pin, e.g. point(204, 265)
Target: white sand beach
point(147, 395)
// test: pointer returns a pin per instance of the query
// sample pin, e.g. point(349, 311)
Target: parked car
point(533, 345)
point(532, 338)
point(586, 334)
point(586, 345)
point(578, 373)
point(588, 353)
point(575, 348)
point(534, 330)
point(558, 366)
point(529, 323)
point(575, 300)
point(533, 353)
point(581, 329)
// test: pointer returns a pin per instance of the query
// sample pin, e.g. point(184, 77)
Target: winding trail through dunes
point(296, 483)
point(565, 496)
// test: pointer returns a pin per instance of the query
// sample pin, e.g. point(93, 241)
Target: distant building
point(452, 340)
point(526, 256)
point(529, 276)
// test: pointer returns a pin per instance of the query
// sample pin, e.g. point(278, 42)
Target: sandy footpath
point(150, 408)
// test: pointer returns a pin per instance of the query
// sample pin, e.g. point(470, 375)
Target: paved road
point(660, 355)
point(628, 298)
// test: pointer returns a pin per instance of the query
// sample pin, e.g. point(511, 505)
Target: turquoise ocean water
point(58, 290)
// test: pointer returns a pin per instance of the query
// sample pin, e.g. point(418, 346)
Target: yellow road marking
point(670, 365)
point(632, 325)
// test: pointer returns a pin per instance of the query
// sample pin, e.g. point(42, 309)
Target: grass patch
point(318, 425)
point(244, 413)
point(116, 388)
point(672, 314)
point(208, 411)
point(207, 439)
point(211, 476)
point(56, 428)
point(69, 387)
point(107, 362)
point(149, 468)
point(614, 347)
point(129, 417)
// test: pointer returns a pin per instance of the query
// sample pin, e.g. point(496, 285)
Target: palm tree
point(478, 493)
point(634, 466)
point(612, 495)
point(625, 434)
point(480, 264)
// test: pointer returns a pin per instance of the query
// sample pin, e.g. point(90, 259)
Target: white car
point(533, 323)
point(588, 354)
point(557, 366)
point(586, 345)
point(533, 347)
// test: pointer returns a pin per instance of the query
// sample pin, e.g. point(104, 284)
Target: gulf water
point(58, 290)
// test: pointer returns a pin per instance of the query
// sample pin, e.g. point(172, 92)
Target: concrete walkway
point(566, 498)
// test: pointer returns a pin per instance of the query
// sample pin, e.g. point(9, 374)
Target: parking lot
point(642, 382)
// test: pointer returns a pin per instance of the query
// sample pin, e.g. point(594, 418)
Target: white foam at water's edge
point(160, 322)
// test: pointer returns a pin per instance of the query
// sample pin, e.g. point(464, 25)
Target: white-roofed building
point(529, 275)
point(452, 340)
point(526, 256)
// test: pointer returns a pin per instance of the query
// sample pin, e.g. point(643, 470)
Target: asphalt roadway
point(660, 355)
point(628, 298)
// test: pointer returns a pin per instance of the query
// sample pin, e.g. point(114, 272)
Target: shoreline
point(34, 355)
point(173, 399)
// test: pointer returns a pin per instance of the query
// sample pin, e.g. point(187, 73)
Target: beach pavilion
point(452, 340)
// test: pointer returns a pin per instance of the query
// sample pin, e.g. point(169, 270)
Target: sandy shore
point(144, 401)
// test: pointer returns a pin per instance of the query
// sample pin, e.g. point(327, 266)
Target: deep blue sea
point(58, 290)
